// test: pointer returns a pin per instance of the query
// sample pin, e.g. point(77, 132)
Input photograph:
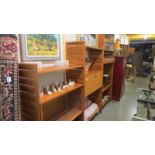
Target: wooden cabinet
point(107, 43)
point(119, 77)
point(93, 81)
point(67, 104)
point(64, 105)
point(92, 58)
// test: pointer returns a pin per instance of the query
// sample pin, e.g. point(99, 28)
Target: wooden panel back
point(96, 59)
point(76, 75)
point(93, 82)
point(96, 97)
point(75, 52)
point(101, 40)
point(54, 108)
point(76, 98)
point(29, 92)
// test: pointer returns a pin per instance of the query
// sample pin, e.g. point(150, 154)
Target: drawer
point(93, 82)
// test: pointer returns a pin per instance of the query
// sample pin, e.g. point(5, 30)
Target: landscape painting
point(41, 47)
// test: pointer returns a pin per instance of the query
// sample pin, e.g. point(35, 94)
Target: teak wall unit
point(68, 104)
point(108, 65)
point(65, 105)
point(76, 53)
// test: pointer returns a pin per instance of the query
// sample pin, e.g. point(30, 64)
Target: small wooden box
point(93, 82)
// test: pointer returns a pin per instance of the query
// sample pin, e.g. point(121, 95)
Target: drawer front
point(93, 82)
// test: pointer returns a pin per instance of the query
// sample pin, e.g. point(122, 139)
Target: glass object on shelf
point(106, 78)
point(41, 92)
point(65, 84)
point(54, 89)
point(90, 39)
point(61, 63)
point(71, 83)
point(105, 98)
point(48, 91)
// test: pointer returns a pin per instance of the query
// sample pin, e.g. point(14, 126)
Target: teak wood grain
point(55, 106)
point(93, 78)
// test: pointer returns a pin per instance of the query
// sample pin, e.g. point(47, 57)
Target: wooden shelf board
point(94, 48)
point(108, 50)
point(106, 87)
point(57, 68)
point(46, 98)
point(68, 115)
point(104, 103)
point(109, 60)
point(108, 57)
point(92, 72)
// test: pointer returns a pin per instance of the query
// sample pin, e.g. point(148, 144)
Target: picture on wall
point(40, 47)
point(90, 39)
point(109, 42)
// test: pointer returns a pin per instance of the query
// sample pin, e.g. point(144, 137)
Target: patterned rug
point(9, 106)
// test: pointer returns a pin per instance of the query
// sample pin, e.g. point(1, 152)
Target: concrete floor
point(123, 110)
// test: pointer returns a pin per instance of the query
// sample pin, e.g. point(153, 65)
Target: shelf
point(109, 60)
point(94, 48)
point(44, 70)
point(92, 72)
point(106, 87)
point(107, 50)
point(46, 98)
point(68, 115)
point(104, 103)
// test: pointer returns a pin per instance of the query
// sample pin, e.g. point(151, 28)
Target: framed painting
point(41, 47)
point(90, 39)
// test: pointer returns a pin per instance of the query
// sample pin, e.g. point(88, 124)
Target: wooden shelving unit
point(56, 69)
point(87, 66)
point(108, 65)
point(77, 53)
point(94, 48)
point(64, 105)
point(47, 98)
point(106, 87)
point(68, 114)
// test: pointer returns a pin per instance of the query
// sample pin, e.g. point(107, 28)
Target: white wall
point(50, 78)
point(70, 37)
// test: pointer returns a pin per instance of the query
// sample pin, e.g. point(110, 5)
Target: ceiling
point(141, 36)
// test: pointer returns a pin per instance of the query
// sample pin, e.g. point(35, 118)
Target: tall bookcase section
point(92, 58)
point(107, 43)
point(65, 105)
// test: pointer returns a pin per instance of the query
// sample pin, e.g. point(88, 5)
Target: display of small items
point(90, 39)
point(106, 78)
point(105, 98)
point(57, 87)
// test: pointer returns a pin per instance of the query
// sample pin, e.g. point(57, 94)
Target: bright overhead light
point(145, 36)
